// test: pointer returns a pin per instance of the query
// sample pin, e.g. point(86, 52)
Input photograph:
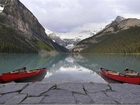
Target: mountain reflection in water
point(70, 68)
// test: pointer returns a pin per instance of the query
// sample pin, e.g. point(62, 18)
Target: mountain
point(21, 32)
point(67, 43)
point(121, 36)
point(113, 26)
point(69, 40)
point(76, 35)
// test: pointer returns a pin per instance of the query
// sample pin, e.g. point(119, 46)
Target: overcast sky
point(76, 15)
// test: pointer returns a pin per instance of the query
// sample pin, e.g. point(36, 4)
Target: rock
point(36, 89)
point(45, 93)
point(124, 98)
point(101, 98)
point(121, 23)
point(91, 88)
point(32, 100)
point(128, 23)
point(126, 88)
point(73, 87)
point(6, 97)
point(1, 85)
point(82, 99)
point(12, 87)
point(58, 93)
point(59, 99)
point(16, 99)
point(119, 19)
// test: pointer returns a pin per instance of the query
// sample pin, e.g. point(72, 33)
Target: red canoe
point(131, 77)
point(20, 75)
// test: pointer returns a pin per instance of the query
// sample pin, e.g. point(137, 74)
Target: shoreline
point(68, 93)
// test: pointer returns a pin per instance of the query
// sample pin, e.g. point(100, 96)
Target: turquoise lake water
point(70, 68)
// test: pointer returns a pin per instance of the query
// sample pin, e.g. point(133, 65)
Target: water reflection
point(70, 68)
point(117, 62)
point(10, 62)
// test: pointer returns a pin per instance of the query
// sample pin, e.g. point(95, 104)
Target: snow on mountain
point(48, 32)
point(69, 40)
point(72, 38)
point(1, 8)
point(122, 33)
point(70, 46)
point(75, 35)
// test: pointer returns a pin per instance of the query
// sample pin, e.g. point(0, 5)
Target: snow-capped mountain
point(120, 36)
point(120, 24)
point(69, 40)
point(75, 35)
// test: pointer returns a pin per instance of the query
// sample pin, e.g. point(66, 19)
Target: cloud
point(131, 6)
point(66, 15)
point(93, 27)
point(127, 8)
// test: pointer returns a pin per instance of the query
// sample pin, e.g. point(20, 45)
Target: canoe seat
point(132, 74)
point(28, 71)
point(19, 71)
point(113, 73)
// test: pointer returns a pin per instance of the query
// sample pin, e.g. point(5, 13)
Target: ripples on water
point(70, 68)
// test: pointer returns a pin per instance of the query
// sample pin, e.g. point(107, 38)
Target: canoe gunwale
point(9, 77)
point(121, 78)
point(120, 74)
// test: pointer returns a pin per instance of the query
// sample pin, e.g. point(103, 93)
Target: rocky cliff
point(20, 30)
point(121, 36)
point(120, 24)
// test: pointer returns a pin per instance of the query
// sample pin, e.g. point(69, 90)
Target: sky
point(77, 15)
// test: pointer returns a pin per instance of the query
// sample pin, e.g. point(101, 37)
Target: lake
point(70, 68)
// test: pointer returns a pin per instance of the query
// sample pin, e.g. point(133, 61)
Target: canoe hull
point(9, 77)
point(121, 78)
